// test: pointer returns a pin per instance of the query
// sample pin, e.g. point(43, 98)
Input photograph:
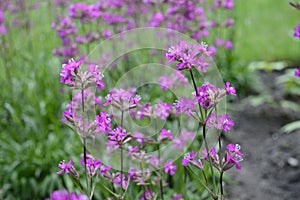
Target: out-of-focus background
point(261, 64)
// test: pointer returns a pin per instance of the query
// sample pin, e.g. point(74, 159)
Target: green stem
point(203, 184)
point(209, 158)
point(121, 148)
point(160, 180)
point(197, 94)
point(221, 185)
point(84, 139)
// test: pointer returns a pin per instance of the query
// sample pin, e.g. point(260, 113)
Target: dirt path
point(271, 166)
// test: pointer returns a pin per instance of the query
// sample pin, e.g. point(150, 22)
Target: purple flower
point(212, 154)
point(189, 157)
point(189, 56)
point(64, 195)
point(122, 99)
point(132, 150)
point(233, 156)
point(92, 165)
point(220, 122)
point(230, 90)
point(68, 72)
point(155, 161)
point(117, 135)
point(185, 105)
point(207, 95)
point(228, 45)
point(229, 22)
point(170, 168)
point(161, 110)
point(148, 194)
point(177, 197)
point(181, 140)
point(297, 72)
point(120, 181)
point(65, 28)
point(102, 123)
point(96, 76)
point(84, 12)
point(65, 167)
point(60, 195)
point(165, 135)
point(219, 42)
point(297, 31)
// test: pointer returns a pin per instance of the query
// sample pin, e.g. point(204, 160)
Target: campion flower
point(132, 150)
point(165, 135)
point(86, 13)
point(102, 123)
point(212, 154)
point(160, 110)
point(297, 31)
point(185, 105)
point(170, 168)
point(155, 161)
point(122, 99)
point(120, 181)
point(233, 156)
point(139, 177)
point(189, 157)
point(228, 45)
point(64, 28)
point(118, 136)
point(177, 79)
point(67, 168)
point(64, 195)
point(68, 72)
point(92, 165)
point(148, 195)
point(189, 56)
point(182, 139)
point(96, 76)
point(177, 197)
point(297, 72)
point(230, 90)
point(220, 122)
point(2, 23)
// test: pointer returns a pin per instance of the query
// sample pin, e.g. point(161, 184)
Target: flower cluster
point(189, 56)
point(232, 157)
point(63, 194)
point(73, 75)
point(192, 18)
point(177, 79)
point(123, 99)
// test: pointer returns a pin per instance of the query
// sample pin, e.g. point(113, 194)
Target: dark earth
point(271, 166)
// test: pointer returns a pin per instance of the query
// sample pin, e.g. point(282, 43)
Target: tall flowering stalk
point(189, 57)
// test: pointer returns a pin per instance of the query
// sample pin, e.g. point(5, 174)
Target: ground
point(271, 167)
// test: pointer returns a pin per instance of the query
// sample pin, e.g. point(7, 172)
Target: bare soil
point(271, 166)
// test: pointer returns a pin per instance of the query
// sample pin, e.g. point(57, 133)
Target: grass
point(264, 30)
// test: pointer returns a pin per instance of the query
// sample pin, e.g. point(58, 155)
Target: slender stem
point(203, 184)
point(121, 148)
point(221, 185)
point(160, 180)
point(204, 131)
point(197, 93)
point(91, 186)
point(84, 139)
point(209, 158)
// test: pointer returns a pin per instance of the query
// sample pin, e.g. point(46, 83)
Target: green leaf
point(290, 127)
